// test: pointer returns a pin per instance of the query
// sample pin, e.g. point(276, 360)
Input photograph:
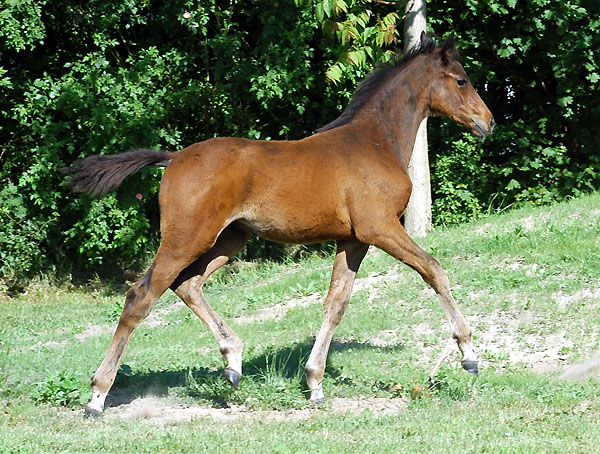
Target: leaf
point(564, 101)
point(357, 57)
point(334, 73)
point(348, 34)
point(340, 6)
point(363, 19)
point(513, 184)
point(320, 12)
point(328, 7)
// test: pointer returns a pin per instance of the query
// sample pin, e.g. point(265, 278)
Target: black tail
point(100, 174)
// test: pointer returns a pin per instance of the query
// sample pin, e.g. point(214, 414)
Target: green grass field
point(527, 280)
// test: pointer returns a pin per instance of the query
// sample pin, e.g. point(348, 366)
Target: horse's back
point(285, 191)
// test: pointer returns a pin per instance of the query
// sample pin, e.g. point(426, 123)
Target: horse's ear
point(424, 39)
point(448, 49)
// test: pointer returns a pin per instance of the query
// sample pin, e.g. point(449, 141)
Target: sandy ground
point(159, 411)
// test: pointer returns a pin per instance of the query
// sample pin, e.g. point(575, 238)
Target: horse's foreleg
point(347, 260)
point(189, 289)
point(398, 244)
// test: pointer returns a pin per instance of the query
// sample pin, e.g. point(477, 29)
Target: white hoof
point(96, 405)
point(317, 396)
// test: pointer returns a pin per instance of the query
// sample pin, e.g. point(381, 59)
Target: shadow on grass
point(286, 363)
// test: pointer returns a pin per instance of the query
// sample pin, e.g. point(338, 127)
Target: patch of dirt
point(583, 371)
point(373, 281)
point(484, 229)
point(506, 337)
point(529, 269)
point(278, 311)
point(385, 338)
point(503, 339)
point(94, 331)
point(159, 411)
point(154, 319)
point(49, 344)
point(527, 224)
point(563, 299)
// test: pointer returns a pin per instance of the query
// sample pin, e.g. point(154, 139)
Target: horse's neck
point(396, 111)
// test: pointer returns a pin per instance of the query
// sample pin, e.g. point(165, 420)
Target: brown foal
point(348, 183)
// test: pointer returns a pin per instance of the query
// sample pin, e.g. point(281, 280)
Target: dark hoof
point(233, 377)
point(470, 366)
point(434, 384)
point(91, 413)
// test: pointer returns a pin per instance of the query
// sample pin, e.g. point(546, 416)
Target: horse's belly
point(297, 228)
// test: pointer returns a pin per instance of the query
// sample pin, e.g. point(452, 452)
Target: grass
point(273, 381)
point(527, 280)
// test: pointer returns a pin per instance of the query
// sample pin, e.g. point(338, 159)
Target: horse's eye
point(461, 82)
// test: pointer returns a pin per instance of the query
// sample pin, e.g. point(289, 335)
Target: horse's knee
point(434, 275)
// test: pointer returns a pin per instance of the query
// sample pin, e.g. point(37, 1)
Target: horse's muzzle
point(483, 129)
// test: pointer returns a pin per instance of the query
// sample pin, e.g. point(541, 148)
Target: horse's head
point(452, 94)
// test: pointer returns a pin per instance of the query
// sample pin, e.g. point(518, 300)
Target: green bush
point(106, 77)
point(85, 78)
point(62, 389)
point(536, 66)
point(460, 178)
point(21, 239)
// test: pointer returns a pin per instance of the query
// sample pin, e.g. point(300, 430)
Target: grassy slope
point(527, 280)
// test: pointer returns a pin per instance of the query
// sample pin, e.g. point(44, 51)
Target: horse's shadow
point(287, 361)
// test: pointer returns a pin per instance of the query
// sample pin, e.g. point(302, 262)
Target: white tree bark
point(417, 217)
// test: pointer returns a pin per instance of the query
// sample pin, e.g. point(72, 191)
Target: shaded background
point(82, 78)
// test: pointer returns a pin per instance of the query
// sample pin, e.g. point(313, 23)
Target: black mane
point(379, 75)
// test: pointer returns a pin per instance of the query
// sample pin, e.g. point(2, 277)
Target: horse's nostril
point(492, 123)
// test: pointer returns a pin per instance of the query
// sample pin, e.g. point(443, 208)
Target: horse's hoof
point(90, 412)
point(318, 401)
point(233, 377)
point(470, 366)
point(317, 396)
point(434, 384)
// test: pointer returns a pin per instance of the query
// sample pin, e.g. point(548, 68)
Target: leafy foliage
point(20, 251)
point(78, 79)
point(106, 77)
point(458, 194)
point(62, 389)
point(536, 66)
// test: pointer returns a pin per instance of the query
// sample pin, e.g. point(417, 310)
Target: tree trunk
point(417, 217)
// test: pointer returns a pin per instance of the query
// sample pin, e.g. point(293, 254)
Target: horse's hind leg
point(188, 287)
point(172, 257)
point(347, 260)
